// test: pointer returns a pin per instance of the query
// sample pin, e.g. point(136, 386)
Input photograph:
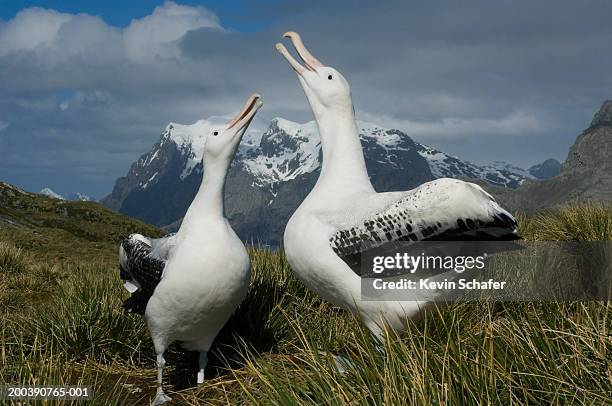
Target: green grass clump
point(85, 318)
point(66, 326)
point(30, 358)
point(12, 259)
point(571, 223)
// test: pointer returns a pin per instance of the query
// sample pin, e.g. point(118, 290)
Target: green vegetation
point(62, 323)
point(56, 231)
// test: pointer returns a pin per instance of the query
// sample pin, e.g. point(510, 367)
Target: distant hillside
point(545, 170)
point(56, 230)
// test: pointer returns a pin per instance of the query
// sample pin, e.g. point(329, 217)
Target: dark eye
point(216, 133)
point(329, 77)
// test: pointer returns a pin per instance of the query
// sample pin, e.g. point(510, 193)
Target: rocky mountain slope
point(274, 171)
point(545, 170)
point(586, 174)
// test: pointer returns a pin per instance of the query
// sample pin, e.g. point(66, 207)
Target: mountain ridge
point(273, 172)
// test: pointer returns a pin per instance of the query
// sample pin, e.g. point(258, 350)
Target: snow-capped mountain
point(274, 170)
point(50, 193)
point(286, 151)
point(498, 173)
point(73, 196)
point(80, 197)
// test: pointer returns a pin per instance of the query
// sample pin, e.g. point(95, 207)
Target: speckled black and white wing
point(141, 266)
point(441, 210)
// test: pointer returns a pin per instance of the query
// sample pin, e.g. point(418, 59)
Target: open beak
point(248, 112)
point(310, 62)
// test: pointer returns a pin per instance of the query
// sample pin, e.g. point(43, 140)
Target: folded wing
point(441, 210)
point(141, 265)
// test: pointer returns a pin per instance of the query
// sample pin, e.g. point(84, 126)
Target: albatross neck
point(208, 202)
point(343, 168)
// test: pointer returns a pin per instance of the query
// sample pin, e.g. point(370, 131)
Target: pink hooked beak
point(310, 62)
point(252, 104)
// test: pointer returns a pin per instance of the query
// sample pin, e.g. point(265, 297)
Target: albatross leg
point(160, 397)
point(343, 363)
point(203, 362)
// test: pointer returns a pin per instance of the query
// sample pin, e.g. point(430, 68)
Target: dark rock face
point(604, 116)
point(546, 170)
point(163, 157)
point(586, 175)
point(151, 191)
point(395, 168)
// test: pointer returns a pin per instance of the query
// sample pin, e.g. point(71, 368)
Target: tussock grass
point(31, 359)
point(66, 326)
point(85, 318)
point(12, 259)
point(465, 354)
point(572, 223)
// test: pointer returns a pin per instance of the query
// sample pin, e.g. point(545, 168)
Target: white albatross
point(343, 214)
point(187, 285)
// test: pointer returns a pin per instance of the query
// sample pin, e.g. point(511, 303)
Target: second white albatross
point(343, 214)
point(188, 285)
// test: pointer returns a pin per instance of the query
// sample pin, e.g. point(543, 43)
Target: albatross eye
point(329, 77)
point(216, 133)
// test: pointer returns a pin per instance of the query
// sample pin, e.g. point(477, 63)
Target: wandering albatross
point(344, 215)
point(187, 285)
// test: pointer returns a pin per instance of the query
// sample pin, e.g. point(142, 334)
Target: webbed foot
point(160, 398)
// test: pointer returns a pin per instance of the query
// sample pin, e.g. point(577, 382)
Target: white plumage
point(187, 285)
point(344, 216)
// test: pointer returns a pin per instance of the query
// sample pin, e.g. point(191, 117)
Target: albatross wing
point(141, 268)
point(441, 210)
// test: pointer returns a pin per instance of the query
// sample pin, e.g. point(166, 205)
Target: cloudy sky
point(87, 87)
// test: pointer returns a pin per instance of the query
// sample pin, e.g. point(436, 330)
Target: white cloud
point(89, 37)
point(95, 98)
point(154, 34)
point(58, 35)
point(31, 28)
point(518, 123)
point(3, 125)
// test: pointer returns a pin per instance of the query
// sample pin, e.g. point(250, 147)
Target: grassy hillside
point(58, 231)
point(62, 323)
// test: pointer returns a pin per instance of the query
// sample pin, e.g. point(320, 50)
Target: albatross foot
point(160, 398)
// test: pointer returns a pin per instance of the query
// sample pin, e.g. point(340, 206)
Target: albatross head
point(326, 89)
point(223, 140)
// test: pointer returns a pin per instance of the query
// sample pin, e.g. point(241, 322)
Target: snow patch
point(50, 193)
point(291, 161)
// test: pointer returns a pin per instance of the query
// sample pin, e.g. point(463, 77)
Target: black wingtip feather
point(142, 269)
point(137, 302)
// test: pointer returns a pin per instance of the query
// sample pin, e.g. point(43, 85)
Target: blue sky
point(86, 87)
